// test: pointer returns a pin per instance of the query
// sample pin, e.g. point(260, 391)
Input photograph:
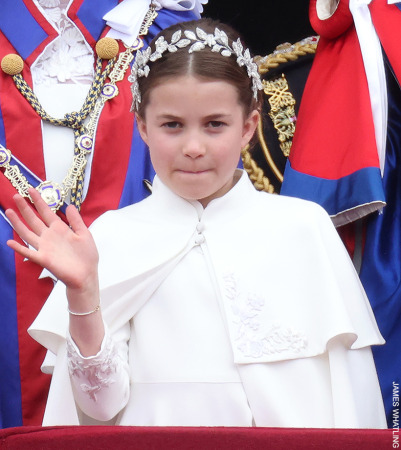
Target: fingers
point(21, 229)
point(34, 229)
point(23, 251)
point(32, 220)
point(75, 220)
point(35, 222)
point(34, 225)
point(42, 207)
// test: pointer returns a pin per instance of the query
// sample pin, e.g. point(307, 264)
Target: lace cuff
point(94, 373)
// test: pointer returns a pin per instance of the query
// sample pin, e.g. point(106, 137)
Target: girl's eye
point(216, 124)
point(172, 125)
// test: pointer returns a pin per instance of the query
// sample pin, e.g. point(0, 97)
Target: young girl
point(208, 303)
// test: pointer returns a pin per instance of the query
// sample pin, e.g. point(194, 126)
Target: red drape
point(180, 438)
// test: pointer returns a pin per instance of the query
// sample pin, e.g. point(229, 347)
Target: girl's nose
point(193, 146)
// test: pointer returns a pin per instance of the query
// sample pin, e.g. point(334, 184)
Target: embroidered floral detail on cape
point(253, 338)
point(97, 372)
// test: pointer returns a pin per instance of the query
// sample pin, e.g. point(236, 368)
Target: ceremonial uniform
point(114, 177)
point(346, 151)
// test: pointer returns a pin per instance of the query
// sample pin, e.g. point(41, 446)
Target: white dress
point(245, 313)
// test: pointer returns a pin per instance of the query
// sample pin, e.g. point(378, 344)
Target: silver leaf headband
point(218, 42)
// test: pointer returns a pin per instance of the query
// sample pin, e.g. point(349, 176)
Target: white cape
point(282, 250)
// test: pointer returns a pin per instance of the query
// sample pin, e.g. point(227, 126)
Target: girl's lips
point(194, 172)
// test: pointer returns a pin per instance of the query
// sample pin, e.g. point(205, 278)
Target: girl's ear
point(250, 124)
point(142, 128)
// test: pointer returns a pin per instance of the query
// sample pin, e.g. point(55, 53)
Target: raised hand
point(68, 252)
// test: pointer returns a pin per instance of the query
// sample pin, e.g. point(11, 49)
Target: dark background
point(264, 24)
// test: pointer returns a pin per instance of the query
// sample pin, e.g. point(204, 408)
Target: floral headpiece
point(218, 42)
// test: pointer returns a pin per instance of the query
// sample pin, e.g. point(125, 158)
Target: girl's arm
point(70, 254)
point(98, 364)
point(101, 383)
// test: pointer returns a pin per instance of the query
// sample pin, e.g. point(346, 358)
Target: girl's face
point(195, 130)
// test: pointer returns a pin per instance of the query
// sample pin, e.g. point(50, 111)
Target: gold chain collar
point(100, 92)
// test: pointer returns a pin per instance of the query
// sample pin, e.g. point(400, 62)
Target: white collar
point(174, 208)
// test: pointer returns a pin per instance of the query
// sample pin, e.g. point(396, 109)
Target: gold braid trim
point(73, 120)
point(255, 173)
point(284, 53)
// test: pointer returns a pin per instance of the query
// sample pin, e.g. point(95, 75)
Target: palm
point(68, 252)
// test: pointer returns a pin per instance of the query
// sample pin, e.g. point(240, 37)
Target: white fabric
point(61, 76)
point(326, 8)
point(182, 5)
point(126, 18)
point(191, 365)
point(68, 58)
point(286, 309)
point(58, 142)
point(375, 73)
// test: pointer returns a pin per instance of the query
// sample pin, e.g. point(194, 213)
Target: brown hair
point(203, 64)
